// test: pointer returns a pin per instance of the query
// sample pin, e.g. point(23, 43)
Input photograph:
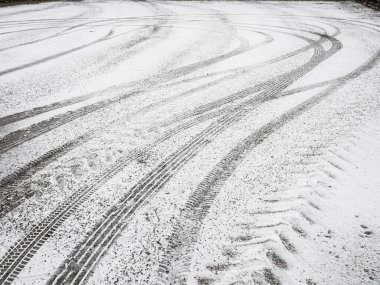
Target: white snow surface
point(255, 125)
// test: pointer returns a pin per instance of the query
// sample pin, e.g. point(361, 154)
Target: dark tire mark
point(270, 277)
point(18, 256)
point(55, 56)
point(277, 260)
point(259, 87)
point(99, 240)
point(61, 33)
point(146, 188)
point(18, 137)
point(43, 109)
point(186, 231)
point(287, 244)
point(10, 198)
point(11, 195)
point(28, 30)
point(46, 228)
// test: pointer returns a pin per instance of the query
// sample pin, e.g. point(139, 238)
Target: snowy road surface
point(189, 143)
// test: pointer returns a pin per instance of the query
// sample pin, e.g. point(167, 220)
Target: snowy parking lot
point(181, 142)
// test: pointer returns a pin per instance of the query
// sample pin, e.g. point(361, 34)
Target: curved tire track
point(12, 265)
point(86, 256)
point(18, 137)
point(178, 255)
point(9, 199)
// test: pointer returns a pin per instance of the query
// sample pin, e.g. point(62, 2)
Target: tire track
point(169, 76)
point(51, 223)
point(55, 56)
point(178, 255)
point(137, 39)
point(64, 53)
point(27, 30)
point(11, 178)
point(244, 47)
point(18, 137)
point(87, 190)
point(108, 36)
point(18, 256)
point(86, 255)
point(243, 93)
point(241, 70)
point(43, 109)
point(10, 199)
point(61, 33)
point(38, 110)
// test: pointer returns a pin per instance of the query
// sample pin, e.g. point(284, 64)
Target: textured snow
point(297, 206)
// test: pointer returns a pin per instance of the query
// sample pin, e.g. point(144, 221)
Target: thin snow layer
point(255, 125)
point(297, 215)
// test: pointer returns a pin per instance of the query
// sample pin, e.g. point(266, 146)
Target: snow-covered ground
point(164, 142)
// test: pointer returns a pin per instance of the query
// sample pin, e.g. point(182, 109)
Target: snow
point(295, 205)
